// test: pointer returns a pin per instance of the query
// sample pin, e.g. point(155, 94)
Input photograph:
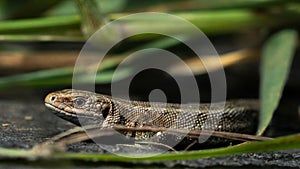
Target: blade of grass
point(91, 17)
point(35, 77)
point(63, 76)
point(237, 4)
point(213, 23)
point(210, 22)
point(59, 76)
point(281, 143)
point(227, 59)
point(76, 37)
point(277, 57)
point(40, 25)
point(205, 5)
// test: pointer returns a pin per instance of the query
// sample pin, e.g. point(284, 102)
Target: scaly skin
point(238, 116)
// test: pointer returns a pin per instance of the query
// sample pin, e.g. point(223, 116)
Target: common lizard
point(238, 116)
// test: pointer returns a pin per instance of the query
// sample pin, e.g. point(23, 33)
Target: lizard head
point(72, 104)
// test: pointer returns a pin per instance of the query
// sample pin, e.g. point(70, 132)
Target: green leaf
point(210, 22)
point(281, 143)
point(277, 56)
point(45, 26)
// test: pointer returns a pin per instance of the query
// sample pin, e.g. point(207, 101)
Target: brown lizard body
point(238, 116)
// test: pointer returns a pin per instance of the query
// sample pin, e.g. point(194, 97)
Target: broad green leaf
point(277, 56)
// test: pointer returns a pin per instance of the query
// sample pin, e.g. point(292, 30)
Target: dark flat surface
point(23, 125)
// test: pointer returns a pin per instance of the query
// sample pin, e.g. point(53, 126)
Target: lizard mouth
point(63, 114)
point(74, 118)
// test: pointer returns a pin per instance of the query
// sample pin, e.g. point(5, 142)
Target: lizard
point(238, 116)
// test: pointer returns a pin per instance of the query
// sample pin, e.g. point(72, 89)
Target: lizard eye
point(78, 102)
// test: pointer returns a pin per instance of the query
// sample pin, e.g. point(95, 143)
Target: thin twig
point(195, 133)
point(190, 145)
